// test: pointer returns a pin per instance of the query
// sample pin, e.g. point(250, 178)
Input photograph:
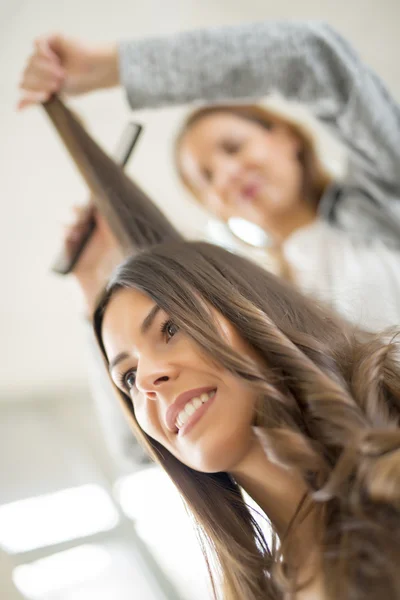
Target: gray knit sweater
point(306, 61)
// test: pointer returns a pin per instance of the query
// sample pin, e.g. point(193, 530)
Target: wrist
point(106, 66)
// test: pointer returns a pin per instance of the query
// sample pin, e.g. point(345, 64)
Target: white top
point(362, 282)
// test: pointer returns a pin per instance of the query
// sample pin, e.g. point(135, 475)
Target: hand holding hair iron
point(133, 218)
point(71, 252)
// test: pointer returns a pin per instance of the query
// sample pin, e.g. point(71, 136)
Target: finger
point(74, 233)
point(71, 226)
point(73, 237)
point(74, 220)
point(44, 67)
point(79, 221)
point(33, 82)
point(57, 45)
point(82, 209)
point(83, 214)
point(73, 215)
point(78, 210)
point(30, 98)
point(44, 47)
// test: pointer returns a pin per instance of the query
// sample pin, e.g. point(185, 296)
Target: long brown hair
point(330, 411)
point(315, 176)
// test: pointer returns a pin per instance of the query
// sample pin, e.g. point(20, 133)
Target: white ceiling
point(43, 339)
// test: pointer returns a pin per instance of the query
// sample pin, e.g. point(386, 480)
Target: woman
point(192, 335)
point(339, 238)
point(268, 164)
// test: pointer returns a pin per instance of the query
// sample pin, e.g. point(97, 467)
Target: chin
point(221, 456)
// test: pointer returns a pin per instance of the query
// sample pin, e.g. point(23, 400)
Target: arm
point(305, 61)
point(308, 62)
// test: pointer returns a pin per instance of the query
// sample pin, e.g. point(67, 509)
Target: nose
point(227, 174)
point(153, 376)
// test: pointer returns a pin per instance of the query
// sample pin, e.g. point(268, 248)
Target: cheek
point(275, 153)
point(148, 421)
point(147, 417)
point(229, 434)
point(213, 202)
point(262, 147)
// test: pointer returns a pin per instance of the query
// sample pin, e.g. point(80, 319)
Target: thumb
point(57, 43)
point(52, 47)
point(43, 47)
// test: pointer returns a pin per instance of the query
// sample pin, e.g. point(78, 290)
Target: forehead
point(123, 318)
point(210, 128)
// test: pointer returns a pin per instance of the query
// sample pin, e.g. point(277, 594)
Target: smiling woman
point(173, 385)
point(232, 379)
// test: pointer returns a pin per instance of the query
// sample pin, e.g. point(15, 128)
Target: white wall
point(43, 342)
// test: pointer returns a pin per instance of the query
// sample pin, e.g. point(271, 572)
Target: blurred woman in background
point(336, 236)
point(264, 164)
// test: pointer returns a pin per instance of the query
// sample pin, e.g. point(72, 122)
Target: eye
point(230, 146)
point(169, 329)
point(128, 379)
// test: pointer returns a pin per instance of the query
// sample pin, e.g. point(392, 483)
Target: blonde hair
point(321, 156)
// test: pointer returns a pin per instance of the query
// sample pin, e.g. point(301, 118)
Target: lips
point(250, 190)
point(180, 403)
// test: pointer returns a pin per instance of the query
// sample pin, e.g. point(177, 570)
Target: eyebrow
point(148, 321)
point(119, 358)
point(145, 326)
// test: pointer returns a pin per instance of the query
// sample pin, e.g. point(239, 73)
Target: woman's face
point(237, 168)
point(200, 412)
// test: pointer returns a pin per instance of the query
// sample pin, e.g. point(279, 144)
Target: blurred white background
point(49, 437)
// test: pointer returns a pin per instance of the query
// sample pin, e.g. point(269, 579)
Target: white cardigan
point(360, 281)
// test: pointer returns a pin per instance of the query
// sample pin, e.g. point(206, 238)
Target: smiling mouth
point(192, 407)
point(250, 191)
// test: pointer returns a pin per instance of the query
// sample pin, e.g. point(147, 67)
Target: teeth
point(191, 408)
point(183, 417)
